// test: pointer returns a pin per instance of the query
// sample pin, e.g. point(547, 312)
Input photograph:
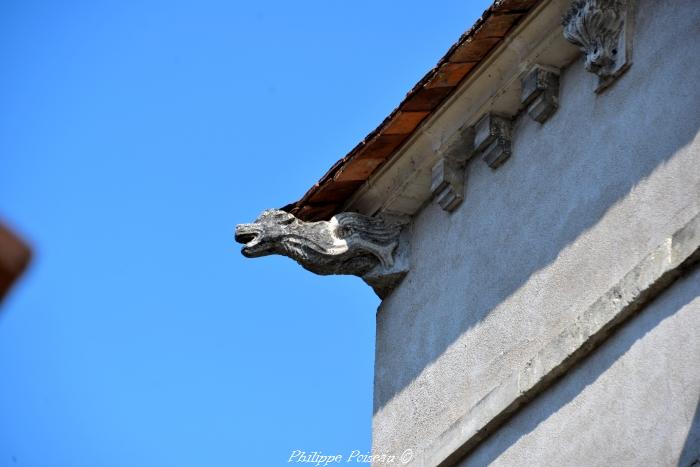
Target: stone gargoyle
point(349, 243)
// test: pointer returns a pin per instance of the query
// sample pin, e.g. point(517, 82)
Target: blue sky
point(134, 135)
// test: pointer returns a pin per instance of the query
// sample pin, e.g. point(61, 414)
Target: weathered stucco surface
point(582, 199)
point(632, 402)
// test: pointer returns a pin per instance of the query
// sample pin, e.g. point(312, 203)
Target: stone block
point(492, 139)
point(540, 93)
point(447, 183)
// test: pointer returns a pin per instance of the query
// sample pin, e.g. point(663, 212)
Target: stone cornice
point(403, 186)
point(480, 75)
point(326, 197)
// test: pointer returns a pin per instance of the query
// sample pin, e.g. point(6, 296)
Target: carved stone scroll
point(350, 243)
point(602, 29)
point(492, 139)
point(540, 93)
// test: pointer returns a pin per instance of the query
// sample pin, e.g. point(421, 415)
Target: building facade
point(530, 216)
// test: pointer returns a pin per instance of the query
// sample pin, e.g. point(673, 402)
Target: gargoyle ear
point(282, 217)
point(275, 215)
point(279, 217)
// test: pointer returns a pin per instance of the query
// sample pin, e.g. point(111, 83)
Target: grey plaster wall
point(582, 200)
point(634, 401)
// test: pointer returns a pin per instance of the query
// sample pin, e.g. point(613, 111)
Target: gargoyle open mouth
point(249, 236)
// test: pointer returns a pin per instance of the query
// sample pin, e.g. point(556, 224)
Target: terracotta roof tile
point(450, 75)
point(404, 122)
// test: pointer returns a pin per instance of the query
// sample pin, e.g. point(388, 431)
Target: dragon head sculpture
point(350, 243)
point(595, 26)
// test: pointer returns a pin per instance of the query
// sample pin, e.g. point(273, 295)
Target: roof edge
point(349, 173)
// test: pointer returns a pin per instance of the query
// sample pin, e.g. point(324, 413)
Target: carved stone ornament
point(602, 29)
point(350, 243)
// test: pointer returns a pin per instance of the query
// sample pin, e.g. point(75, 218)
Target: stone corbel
point(603, 30)
point(447, 183)
point(540, 92)
point(350, 243)
point(492, 139)
point(448, 174)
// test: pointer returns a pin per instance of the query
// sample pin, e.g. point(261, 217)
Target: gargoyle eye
point(342, 232)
